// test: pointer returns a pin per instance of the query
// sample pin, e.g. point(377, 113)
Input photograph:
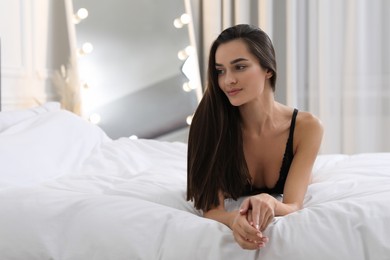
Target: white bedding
point(67, 191)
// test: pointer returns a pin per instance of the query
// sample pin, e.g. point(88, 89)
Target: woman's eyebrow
point(233, 61)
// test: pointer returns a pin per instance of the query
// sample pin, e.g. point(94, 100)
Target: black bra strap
point(290, 146)
point(292, 126)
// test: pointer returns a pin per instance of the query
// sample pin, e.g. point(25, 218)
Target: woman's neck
point(259, 115)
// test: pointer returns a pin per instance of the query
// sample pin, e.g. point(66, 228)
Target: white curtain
point(341, 70)
point(220, 14)
point(333, 60)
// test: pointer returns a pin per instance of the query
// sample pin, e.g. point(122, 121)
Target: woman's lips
point(233, 92)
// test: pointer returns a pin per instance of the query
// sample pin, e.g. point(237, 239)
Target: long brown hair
point(216, 161)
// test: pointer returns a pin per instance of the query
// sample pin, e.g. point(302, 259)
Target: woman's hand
point(259, 209)
point(246, 235)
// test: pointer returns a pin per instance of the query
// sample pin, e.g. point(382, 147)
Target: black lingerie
point(284, 169)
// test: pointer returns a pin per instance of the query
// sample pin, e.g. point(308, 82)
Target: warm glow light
point(81, 14)
point(87, 47)
point(95, 118)
point(182, 55)
point(177, 23)
point(185, 18)
point(189, 50)
point(187, 86)
point(189, 120)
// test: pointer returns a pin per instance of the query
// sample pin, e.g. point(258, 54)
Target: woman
point(244, 143)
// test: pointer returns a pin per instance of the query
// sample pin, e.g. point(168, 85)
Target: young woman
point(244, 143)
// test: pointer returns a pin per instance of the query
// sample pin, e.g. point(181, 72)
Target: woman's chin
point(235, 102)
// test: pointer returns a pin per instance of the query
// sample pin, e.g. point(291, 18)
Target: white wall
point(34, 43)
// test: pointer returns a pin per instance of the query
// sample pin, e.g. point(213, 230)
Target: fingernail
point(259, 235)
point(257, 226)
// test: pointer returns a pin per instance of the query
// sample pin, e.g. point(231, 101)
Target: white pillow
point(46, 146)
point(9, 118)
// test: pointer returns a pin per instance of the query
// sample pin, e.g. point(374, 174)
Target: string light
point(189, 119)
point(184, 54)
point(189, 50)
point(87, 48)
point(187, 86)
point(183, 20)
point(80, 15)
point(177, 23)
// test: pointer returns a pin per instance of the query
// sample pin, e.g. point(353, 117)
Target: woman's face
point(240, 75)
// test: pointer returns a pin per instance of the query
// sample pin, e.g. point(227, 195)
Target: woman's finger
point(246, 235)
point(246, 243)
point(256, 214)
point(245, 206)
point(249, 217)
point(262, 215)
point(246, 230)
point(267, 220)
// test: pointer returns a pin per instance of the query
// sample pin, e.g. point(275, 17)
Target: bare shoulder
point(308, 120)
point(308, 127)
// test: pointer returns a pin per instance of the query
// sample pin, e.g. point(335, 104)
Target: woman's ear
point(269, 74)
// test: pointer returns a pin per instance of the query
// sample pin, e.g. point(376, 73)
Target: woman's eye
point(240, 67)
point(219, 71)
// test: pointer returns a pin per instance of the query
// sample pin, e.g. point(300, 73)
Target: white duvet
point(67, 191)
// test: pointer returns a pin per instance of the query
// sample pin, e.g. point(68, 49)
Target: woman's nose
point(230, 79)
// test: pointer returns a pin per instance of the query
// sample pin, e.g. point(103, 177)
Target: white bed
point(67, 191)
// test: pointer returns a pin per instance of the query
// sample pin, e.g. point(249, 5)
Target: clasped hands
point(255, 214)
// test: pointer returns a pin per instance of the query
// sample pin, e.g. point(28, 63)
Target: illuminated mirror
point(138, 65)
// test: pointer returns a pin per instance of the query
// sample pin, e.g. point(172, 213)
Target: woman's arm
point(308, 141)
point(220, 214)
point(245, 234)
point(308, 138)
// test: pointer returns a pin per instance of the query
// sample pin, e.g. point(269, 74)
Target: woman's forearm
point(282, 209)
point(221, 216)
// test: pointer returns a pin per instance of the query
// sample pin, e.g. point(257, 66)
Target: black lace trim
point(284, 169)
